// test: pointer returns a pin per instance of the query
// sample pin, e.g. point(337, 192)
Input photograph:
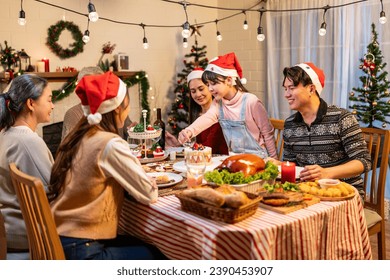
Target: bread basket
point(221, 214)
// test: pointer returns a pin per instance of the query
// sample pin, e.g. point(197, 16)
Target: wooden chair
point(3, 240)
point(279, 126)
point(43, 239)
point(378, 143)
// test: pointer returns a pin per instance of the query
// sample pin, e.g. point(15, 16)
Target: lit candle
point(288, 172)
point(47, 67)
point(40, 66)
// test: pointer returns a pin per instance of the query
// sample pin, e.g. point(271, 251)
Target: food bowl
point(328, 183)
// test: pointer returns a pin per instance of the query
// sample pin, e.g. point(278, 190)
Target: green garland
point(139, 78)
point(54, 33)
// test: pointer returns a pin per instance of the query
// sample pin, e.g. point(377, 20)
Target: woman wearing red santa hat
point(92, 170)
point(323, 138)
point(200, 102)
point(242, 116)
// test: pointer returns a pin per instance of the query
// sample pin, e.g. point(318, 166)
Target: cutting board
point(289, 209)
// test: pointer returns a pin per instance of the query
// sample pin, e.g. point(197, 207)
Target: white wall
point(162, 61)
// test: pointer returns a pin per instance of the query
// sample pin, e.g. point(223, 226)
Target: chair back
point(378, 143)
point(43, 239)
point(278, 126)
point(3, 240)
point(374, 186)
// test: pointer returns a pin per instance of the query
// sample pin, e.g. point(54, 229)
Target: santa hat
point(226, 65)
point(195, 74)
point(316, 75)
point(100, 94)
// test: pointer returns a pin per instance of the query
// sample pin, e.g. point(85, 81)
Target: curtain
point(292, 38)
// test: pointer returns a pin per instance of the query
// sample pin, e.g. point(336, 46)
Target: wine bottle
point(159, 122)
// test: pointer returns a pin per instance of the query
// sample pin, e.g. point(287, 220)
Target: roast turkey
point(248, 164)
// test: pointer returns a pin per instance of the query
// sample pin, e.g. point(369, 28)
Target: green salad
point(225, 177)
point(286, 186)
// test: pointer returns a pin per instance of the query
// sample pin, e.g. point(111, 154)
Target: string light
point(219, 36)
point(382, 15)
point(245, 25)
point(92, 14)
point(185, 43)
point(322, 30)
point(240, 11)
point(186, 26)
point(260, 34)
point(86, 34)
point(145, 43)
point(22, 15)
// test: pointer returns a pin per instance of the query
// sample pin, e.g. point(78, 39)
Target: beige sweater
point(89, 206)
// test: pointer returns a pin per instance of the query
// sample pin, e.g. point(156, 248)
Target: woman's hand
point(184, 136)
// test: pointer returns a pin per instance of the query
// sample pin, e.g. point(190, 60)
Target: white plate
point(175, 178)
point(298, 170)
point(180, 166)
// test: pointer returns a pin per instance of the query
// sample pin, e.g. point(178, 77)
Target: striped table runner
point(327, 230)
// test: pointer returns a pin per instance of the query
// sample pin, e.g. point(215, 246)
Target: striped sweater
point(332, 139)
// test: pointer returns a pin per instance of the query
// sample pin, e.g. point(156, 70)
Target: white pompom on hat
point(316, 75)
point(100, 94)
point(226, 65)
point(195, 74)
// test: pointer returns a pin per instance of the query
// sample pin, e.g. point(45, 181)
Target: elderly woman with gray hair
point(27, 103)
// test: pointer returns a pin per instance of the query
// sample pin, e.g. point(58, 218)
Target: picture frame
point(123, 62)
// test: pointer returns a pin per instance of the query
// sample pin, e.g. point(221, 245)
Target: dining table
point(328, 230)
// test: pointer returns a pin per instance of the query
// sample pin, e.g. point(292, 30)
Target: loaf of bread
point(236, 199)
point(206, 195)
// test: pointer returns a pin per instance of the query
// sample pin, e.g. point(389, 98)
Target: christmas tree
point(179, 115)
point(372, 100)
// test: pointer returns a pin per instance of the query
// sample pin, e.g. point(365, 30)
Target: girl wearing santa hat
point(242, 116)
point(92, 170)
point(200, 102)
point(26, 104)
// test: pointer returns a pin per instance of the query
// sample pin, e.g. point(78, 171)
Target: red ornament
point(181, 106)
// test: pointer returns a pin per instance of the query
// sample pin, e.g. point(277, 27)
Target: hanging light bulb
point(185, 43)
point(382, 15)
point(219, 36)
point(245, 25)
point(145, 43)
point(186, 26)
point(86, 36)
point(322, 30)
point(22, 15)
point(92, 14)
point(186, 30)
point(260, 34)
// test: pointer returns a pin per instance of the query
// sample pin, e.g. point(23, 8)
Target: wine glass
point(196, 167)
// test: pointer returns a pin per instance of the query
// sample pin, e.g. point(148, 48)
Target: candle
point(288, 172)
point(46, 61)
point(40, 66)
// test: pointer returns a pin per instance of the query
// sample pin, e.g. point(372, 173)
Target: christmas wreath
point(54, 33)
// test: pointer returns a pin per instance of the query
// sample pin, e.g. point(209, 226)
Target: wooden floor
point(374, 243)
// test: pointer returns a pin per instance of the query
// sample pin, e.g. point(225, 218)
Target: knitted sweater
point(21, 145)
point(91, 201)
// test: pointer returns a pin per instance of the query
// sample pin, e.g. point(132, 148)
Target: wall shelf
point(64, 76)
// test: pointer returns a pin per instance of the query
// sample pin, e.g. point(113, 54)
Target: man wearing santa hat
point(323, 138)
point(93, 168)
point(242, 116)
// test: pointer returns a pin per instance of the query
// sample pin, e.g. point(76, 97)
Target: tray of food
point(223, 204)
point(245, 172)
point(336, 192)
point(139, 132)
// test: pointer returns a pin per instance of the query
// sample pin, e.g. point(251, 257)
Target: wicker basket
point(221, 214)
